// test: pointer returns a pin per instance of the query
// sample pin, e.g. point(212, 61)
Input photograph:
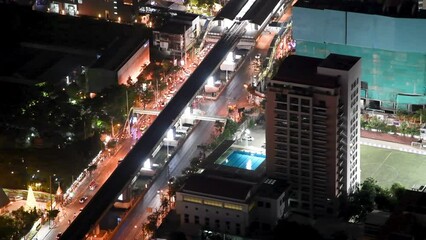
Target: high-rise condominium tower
point(313, 130)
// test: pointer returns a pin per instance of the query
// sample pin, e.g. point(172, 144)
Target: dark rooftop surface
point(303, 70)
point(174, 27)
point(33, 65)
point(413, 201)
point(272, 188)
point(220, 187)
point(231, 9)
point(121, 50)
point(341, 62)
point(260, 10)
point(179, 15)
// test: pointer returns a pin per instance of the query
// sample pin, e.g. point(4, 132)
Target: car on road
point(83, 199)
point(143, 128)
point(93, 185)
point(248, 138)
point(171, 180)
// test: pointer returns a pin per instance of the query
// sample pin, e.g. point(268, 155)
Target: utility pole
point(127, 101)
point(112, 127)
point(51, 201)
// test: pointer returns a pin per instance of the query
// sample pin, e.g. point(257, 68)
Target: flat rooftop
point(118, 53)
point(303, 70)
point(218, 187)
point(33, 65)
point(341, 62)
point(182, 16)
point(272, 188)
point(174, 27)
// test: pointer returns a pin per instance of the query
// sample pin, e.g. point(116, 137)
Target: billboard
point(70, 9)
point(54, 7)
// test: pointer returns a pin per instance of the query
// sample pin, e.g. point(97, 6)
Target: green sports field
point(388, 166)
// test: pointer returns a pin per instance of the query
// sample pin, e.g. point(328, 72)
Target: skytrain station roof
point(254, 11)
point(260, 10)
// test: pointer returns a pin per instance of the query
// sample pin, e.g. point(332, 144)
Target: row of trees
point(409, 123)
point(18, 223)
point(152, 81)
point(61, 115)
point(371, 196)
point(404, 128)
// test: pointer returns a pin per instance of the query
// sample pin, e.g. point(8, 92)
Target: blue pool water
point(244, 160)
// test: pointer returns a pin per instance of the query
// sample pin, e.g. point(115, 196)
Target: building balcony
point(319, 164)
point(281, 133)
point(319, 140)
point(319, 132)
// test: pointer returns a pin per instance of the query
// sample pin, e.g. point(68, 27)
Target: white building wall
point(189, 211)
point(350, 95)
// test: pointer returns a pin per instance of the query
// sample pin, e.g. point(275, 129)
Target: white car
point(83, 199)
point(248, 138)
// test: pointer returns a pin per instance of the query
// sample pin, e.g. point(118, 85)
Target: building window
point(207, 222)
point(186, 218)
point(196, 219)
point(217, 224)
point(268, 205)
point(237, 228)
point(228, 225)
point(213, 203)
point(305, 206)
point(233, 206)
point(196, 209)
point(294, 108)
point(186, 206)
point(207, 210)
point(192, 199)
point(260, 204)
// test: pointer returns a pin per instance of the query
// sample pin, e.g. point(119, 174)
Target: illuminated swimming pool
point(242, 159)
